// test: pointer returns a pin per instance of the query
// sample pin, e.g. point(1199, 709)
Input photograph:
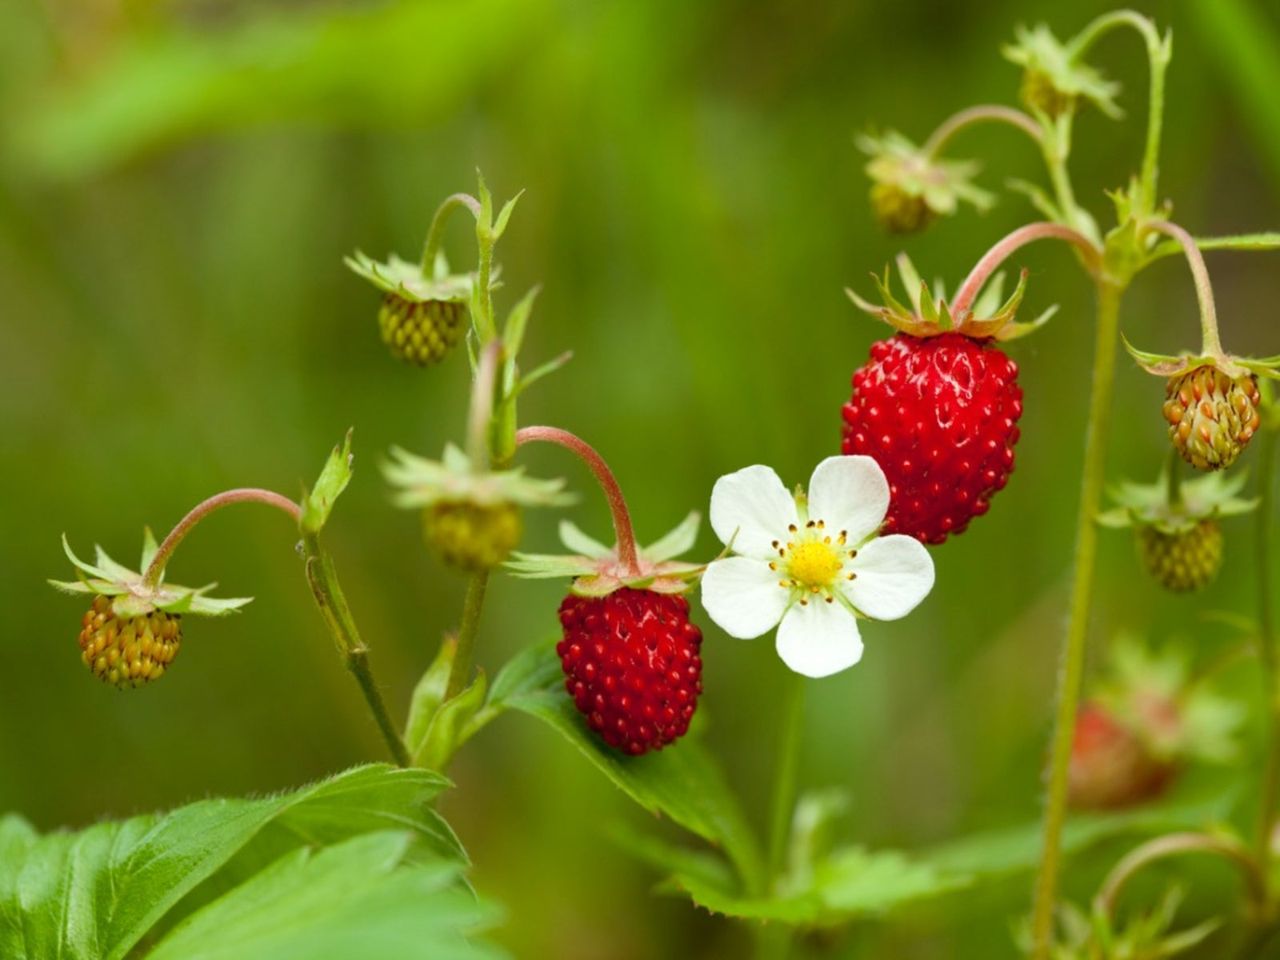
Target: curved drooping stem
point(1174, 844)
point(151, 575)
point(435, 234)
point(1071, 669)
point(604, 476)
point(325, 589)
point(993, 258)
point(1158, 60)
point(1211, 344)
point(984, 113)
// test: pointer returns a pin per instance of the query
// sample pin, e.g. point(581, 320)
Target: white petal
point(753, 504)
point(849, 494)
point(743, 597)
point(819, 638)
point(893, 574)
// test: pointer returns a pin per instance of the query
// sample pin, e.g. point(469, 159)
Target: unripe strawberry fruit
point(1183, 561)
point(421, 332)
point(1211, 416)
point(128, 651)
point(1111, 766)
point(899, 211)
point(472, 536)
point(939, 414)
point(632, 665)
point(1039, 92)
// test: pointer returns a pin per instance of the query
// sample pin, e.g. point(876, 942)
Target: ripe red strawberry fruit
point(632, 665)
point(939, 414)
point(1111, 765)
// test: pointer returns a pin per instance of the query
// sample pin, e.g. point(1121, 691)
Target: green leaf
point(428, 695)
point(450, 727)
point(94, 895)
point(681, 782)
point(517, 323)
point(361, 898)
point(335, 476)
point(1244, 241)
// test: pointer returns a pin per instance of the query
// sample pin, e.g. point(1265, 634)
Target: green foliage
point(682, 782)
point(334, 477)
point(357, 858)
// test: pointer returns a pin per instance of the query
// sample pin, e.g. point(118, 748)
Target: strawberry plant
point(362, 864)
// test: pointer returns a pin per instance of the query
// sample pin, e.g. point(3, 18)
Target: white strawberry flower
point(811, 566)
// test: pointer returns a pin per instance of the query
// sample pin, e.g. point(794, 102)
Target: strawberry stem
point(435, 234)
point(604, 476)
point(151, 576)
point(1158, 61)
point(1071, 671)
point(1173, 844)
point(984, 113)
point(481, 413)
point(1211, 345)
point(1270, 790)
point(1004, 248)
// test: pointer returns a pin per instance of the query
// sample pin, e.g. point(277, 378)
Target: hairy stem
point(151, 575)
point(435, 234)
point(1071, 669)
point(1158, 61)
point(1269, 795)
point(1171, 845)
point(332, 604)
point(984, 113)
point(784, 777)
point(1211, 344)
point(472, 606)
point(604, 476)
point(993, 258)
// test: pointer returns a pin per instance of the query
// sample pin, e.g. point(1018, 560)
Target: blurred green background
point(178, 185)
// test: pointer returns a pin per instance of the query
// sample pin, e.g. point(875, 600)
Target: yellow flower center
point(813, 563)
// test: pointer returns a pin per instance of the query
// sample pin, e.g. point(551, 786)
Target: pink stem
point(481, 414)
point(979, 114)
point(1212, 345)
point(241, 495)
point(997, 255)
point(608, 483)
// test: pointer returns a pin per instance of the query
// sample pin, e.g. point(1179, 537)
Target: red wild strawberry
point(632, 665)
point(1111, 765)
point(939, 414)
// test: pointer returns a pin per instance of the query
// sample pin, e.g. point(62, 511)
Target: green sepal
point(942, 184)
point(1166, 365)
point(420, 482)
point(1210, 496)
point(407, 281)
point(318, 503)
point(132, 596)
point(597, 571)
point(1037, 50)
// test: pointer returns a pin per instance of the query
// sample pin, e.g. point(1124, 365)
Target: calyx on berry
point(423, 316)
point(599, 570)
point(910, 186)
point(472, 516)
point(133, 595)
point(1176, 508)
point(927, 312)
point(1053, 77)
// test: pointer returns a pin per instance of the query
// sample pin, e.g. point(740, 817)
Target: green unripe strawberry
point(898, 211)
point(128, 651)
point(1182, 561)
point(473, 536)
point(421, 332)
